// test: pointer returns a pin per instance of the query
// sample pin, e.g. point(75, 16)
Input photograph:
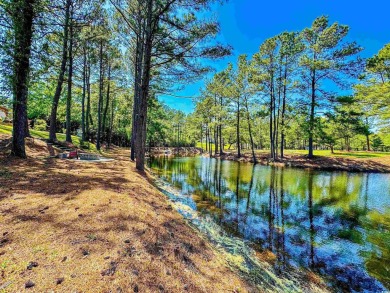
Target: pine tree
point(326, 57)
point(22, 14)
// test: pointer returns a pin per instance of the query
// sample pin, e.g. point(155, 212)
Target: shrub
point(40, 125)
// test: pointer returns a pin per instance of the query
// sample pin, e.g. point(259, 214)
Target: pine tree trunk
point(215, 141)
point(277, 111)
point(275, 133)
point(23, 29)
point(84, 94)
point(88, 118)
point(368, 135)
point(220, 140)
point(137, 83)
point(140, 138)
point(220, 130)
point(60, 81)
point(111, 123)
point(70, 77)
point(271, 126)
point(207, 143)
point(216, 119)
point(368, 142)
point(312, 109)
point(282, 130)
point(27, 128)
point(105, 135)
point(238, 130)
point(250, 133)
point(201, 138)
point(100, 103)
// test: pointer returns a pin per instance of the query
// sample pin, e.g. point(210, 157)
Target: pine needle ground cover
point(71, 226)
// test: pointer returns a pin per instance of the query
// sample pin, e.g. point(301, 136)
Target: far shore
point(374, 162)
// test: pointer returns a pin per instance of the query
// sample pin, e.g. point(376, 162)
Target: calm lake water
point(336, 224)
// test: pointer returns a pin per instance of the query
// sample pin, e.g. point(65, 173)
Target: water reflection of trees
point(297, 215)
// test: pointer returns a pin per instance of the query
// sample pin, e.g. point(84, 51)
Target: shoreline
point(319, 163)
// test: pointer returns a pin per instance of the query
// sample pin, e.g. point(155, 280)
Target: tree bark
point(105, 135)
point(88, 118)
point(250, 132)
point(282, 130)
point(27, 127)
point(368, 142)
point(70, 76)
point(368, 136)
point(277, 110)
point(23, 29)
point(216, 119)
point(271, 124)
point(220, 140)
point(207, 139)
point(210, 143)
point(312, 112)
point(137, 82)
point(215, 140)
point(201, 138)
point(57, 94)
point(111, 123)
point(100, 103)
point(238, 129)
point(220, 130)
point(140, 138)
point(84, 94)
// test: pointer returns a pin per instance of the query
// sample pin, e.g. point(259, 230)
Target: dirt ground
point(69, 226)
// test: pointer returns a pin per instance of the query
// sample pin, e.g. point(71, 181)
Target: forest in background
point(96, 68)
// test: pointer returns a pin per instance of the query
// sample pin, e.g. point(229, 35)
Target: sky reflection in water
point(334, 223)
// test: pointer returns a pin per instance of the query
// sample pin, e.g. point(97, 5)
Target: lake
point(335, 224)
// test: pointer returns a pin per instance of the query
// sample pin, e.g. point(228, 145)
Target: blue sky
point(245, 24)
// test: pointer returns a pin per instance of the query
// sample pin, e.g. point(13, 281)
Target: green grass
point(352, 154)
point(203, 145)
point(7, 129)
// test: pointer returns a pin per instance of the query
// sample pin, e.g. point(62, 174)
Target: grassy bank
point(70, 226)
point(7, 130)
point(336, 154)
